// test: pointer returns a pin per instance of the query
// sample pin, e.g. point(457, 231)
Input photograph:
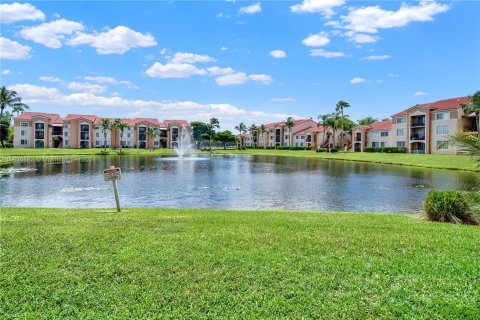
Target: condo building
point(47, 130)
point(423, 128)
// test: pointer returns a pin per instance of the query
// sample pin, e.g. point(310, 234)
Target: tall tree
point(115, 127)
point(322, 121)
point(225, 137)
point(264, 130)
point(290, 123)
point(367, 121)
point(10, 99)
point(120, 125)
point(473, 106)
point(241, 128)
point(212, 125)
point(152, 132)
point(340, 109)
point(333, 121)
point(198, 131)
point(106, 125)
point(253, 131)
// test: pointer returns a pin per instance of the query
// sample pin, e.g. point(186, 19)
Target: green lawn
point(192, 263)
point(80, 152)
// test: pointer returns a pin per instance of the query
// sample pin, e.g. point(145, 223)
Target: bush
point(327, 150)
point(386, 149)
point(448, 206)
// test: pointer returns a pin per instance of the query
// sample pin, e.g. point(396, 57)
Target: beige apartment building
point(423, 128)
point(47, 130)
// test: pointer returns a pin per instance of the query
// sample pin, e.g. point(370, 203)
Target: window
point(22, 133)
point(155, 143)
point(441, 129)
point(286, 136)
point(97, 143)
point(383, 144)
point(401, 144)
point(401, 120)
point(23, 142)
point(442, 116)
point(375, 144)
point(442, 145)
point(384, 134)
point(39, 126)
point(401, 132)
point(375, 134)
point(66, 126)
point(128, 135)
point(97, 135)
point(65, 133)
point(66, 142)
point(23, 124)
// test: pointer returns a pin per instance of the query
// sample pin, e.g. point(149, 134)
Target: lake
point(227, 182)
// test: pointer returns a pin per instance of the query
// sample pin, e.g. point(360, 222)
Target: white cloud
point(371, 19)
point(13, 50)
point(284, 100)
point(228, 114)
point(358, 80)
point(6, 72)
point(216, 71)
point(278, 54)
point(317, 40)
point(382, 57)
point(174, 70)
point(317, 6)
point(263, 78)
point(50, 79)
point(51, 34)
point(232, 79)
point(361, 38)
point(326, 54)
point(223, 48)
point(14, 12)
point(254, 8)
point(86, 87)
point(187, 57)
point(110, 80)
point(114, 41)
point(419, 93)
point(393, 75)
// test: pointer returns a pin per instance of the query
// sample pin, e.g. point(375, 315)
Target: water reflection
point(230, 182)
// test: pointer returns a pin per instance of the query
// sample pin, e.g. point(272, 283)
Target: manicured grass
point(192, 263)
point(80, 152)
point(457, 162)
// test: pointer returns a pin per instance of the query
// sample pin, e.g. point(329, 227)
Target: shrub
point(386, 149)
point(448, 206)
point(327, 150)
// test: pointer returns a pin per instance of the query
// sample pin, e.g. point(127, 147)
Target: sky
point(239, 61)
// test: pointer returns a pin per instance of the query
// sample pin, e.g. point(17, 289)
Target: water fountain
point(184, 144)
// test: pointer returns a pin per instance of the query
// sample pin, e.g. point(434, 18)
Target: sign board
point(112, 174)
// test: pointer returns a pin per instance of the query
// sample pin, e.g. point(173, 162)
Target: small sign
point(112, 174)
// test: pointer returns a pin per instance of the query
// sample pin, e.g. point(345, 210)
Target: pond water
point(228, 182)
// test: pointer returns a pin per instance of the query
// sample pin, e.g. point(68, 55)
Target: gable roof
point(88, 117)
point(183, 123)
point(29, 115)
point(446, 104)
point(153, 121)
point(381, 125)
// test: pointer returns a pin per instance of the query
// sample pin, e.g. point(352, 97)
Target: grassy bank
point(184, 263)
point(456, 162)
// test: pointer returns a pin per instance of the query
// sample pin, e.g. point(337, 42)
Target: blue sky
point(240, 61)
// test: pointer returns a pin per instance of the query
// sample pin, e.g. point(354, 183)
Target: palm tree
point(152, 132)
point(468, 143)
point(290, 122)
point(264, 130)
point(339, 108)
point(211, 126)
point(333, 121)
point(323, 118)
point(473, 106)
point(9, 99)
point(106, 125)
point(241, 128)
point(253, 131)
point(115, 127)
point(367, 121)
point(118, 124)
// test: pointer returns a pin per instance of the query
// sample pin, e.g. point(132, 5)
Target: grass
point(456, 162)
point(192, 263)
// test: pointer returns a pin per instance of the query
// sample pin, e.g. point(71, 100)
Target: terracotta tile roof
point(80, 116)
point(29, 115)
point(130, 122)
point(149, 120)
point(315, 129)
point(245, 135)
point(183, 123)
point(381, 125)
point(282, 123)
point(446, 104)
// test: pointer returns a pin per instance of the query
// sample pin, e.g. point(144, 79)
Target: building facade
point(46, 130)
point(423, 128)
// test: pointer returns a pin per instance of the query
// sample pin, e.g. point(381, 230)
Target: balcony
point(417, 137)
point(418, 124)
point(39, 135)
point(57, 132)
point(418, 151)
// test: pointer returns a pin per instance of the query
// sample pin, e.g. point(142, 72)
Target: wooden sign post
point(113, 174)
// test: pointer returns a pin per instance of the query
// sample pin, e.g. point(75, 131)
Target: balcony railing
point(417, 137)
point(358, 139)
point(56, 132)
point(418, 151)
point(418, 124)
